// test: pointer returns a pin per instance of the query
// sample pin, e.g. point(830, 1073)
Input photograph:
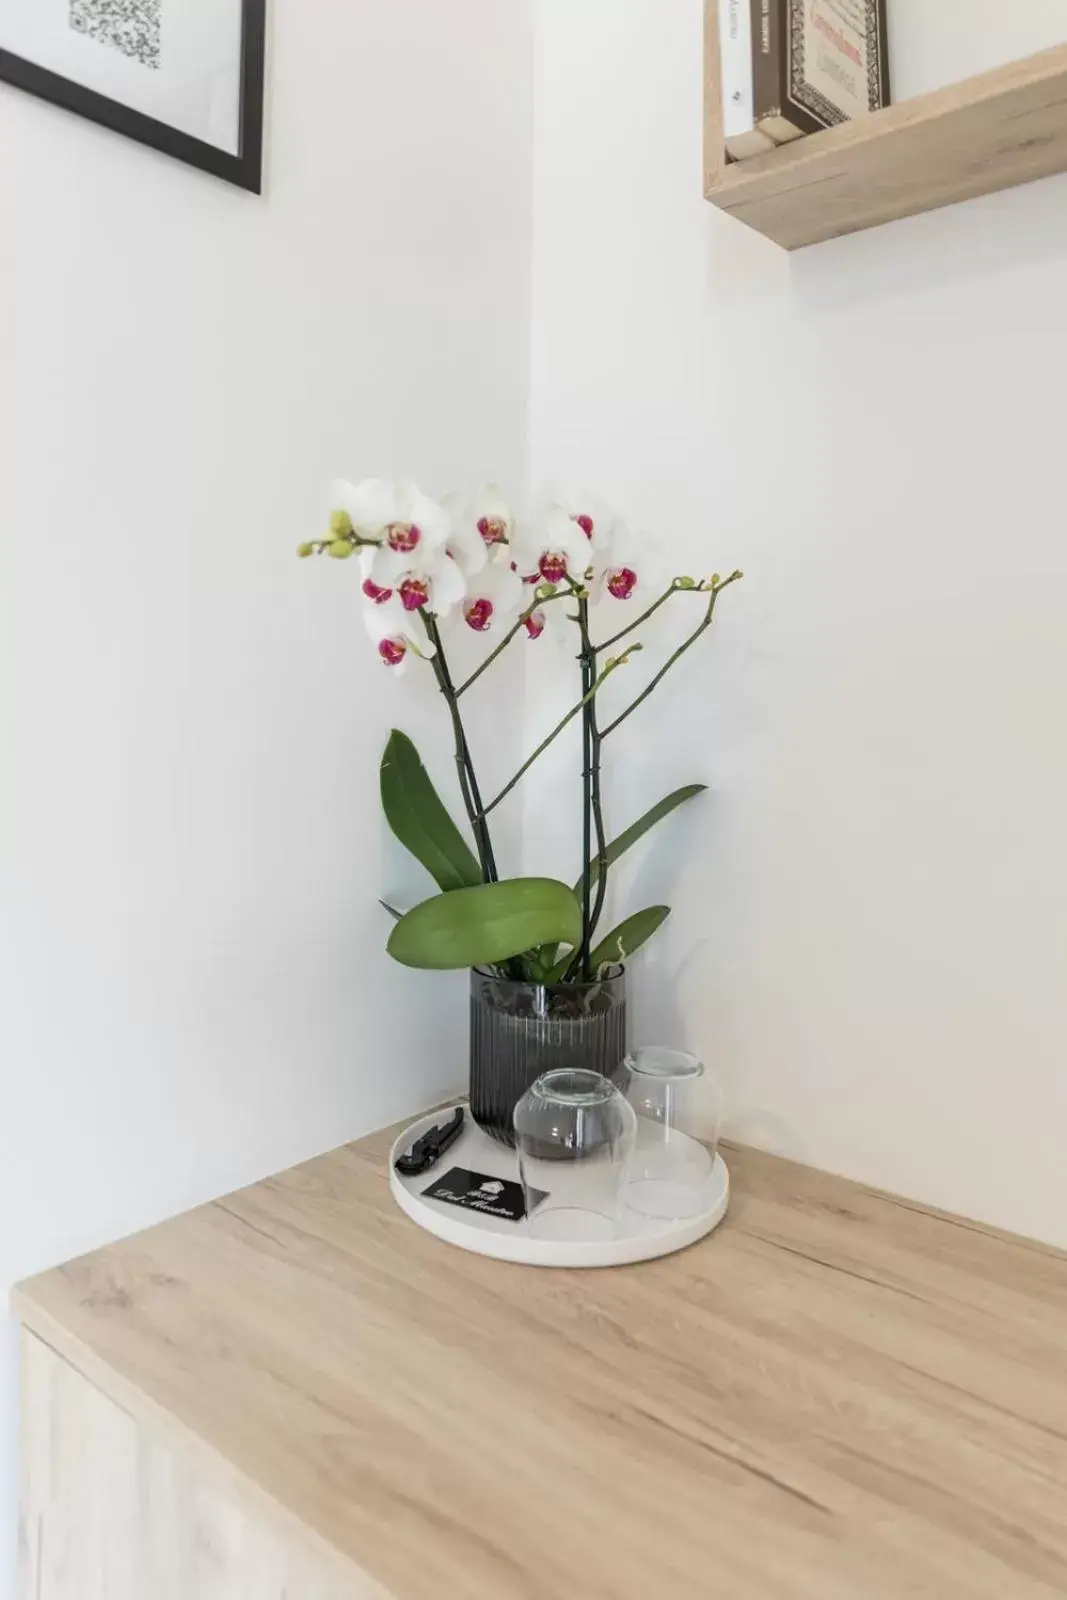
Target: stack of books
point(791, 67)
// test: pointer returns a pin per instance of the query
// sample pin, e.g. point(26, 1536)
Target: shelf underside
point(992, 132)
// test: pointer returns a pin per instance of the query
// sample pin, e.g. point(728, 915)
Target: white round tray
point(638, 1239)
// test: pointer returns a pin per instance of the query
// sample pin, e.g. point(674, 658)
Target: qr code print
point(132, 26)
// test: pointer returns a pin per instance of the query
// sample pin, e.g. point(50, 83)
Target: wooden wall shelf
point(992, 132)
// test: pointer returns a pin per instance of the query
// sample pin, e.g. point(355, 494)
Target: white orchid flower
point(492, 515)
point(495, 596)
point(377, 593)
point(552, 547)
point(597, 521)
point(465, 544)
point(481, 522)
point(398, 516)
point(368, 505)
point(396, 634)
point(419, 578)
point(625, 566)
point(407, 554)
point(556, 613)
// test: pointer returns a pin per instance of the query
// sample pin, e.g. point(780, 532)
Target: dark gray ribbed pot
point(520, 1030)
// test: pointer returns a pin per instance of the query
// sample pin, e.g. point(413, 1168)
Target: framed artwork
point(185, 76)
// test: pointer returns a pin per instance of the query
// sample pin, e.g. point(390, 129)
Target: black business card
point(477, 1191)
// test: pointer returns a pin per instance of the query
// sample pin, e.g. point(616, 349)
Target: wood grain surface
point(111, 1511)
point(990, 132)
point(839, 1394)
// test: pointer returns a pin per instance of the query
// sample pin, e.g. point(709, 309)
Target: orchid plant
point(425, 564)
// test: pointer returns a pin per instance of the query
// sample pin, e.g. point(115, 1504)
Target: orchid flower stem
point(675, 588)
point(468, 781)
point(506, 640)
point(587, 658)
point(357, 541)
point(592, 806)
point(596, 741)
point(610, 667)
point(704, 625)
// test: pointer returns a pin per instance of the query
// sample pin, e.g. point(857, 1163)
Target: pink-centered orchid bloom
point(482, 523)
point(431, 580)
point(407, 556)
point(396, 634)
point(495, 596)
point(397, 516)
point(625, 567)
point(596, 520)
point(552, 547)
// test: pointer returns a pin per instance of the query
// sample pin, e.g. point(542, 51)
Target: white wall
point(934, 45)
point(870, 923)
point(194, 987)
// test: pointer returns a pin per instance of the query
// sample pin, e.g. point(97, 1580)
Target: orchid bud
point(715, 580)
point(545, 591)
point(304, 550)
point(340, 549)
point(341, 525)
point(685, 583)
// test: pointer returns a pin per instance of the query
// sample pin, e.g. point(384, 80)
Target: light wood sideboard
point(293, 1394)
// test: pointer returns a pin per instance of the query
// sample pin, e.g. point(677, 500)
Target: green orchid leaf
point(415, 812)
point(540, 964)
point(559, 971)
point(487, 924)
point(393, 912)
point(544, 957)
point(531, 970)
point(628, 937)
point(638, 829)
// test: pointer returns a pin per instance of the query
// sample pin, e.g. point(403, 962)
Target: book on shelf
point(737, 45)
point(791, 67)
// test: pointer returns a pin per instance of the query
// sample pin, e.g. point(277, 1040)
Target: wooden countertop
point(839, 1396)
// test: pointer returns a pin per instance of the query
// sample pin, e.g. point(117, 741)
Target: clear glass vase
point(519, 1031)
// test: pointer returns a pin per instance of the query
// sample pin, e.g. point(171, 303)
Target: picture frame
point(102, 35)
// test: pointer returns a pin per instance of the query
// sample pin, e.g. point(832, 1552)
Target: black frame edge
point(245, 170)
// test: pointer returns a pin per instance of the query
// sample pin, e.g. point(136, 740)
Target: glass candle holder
point(678, 1108)
point(574, 1133)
